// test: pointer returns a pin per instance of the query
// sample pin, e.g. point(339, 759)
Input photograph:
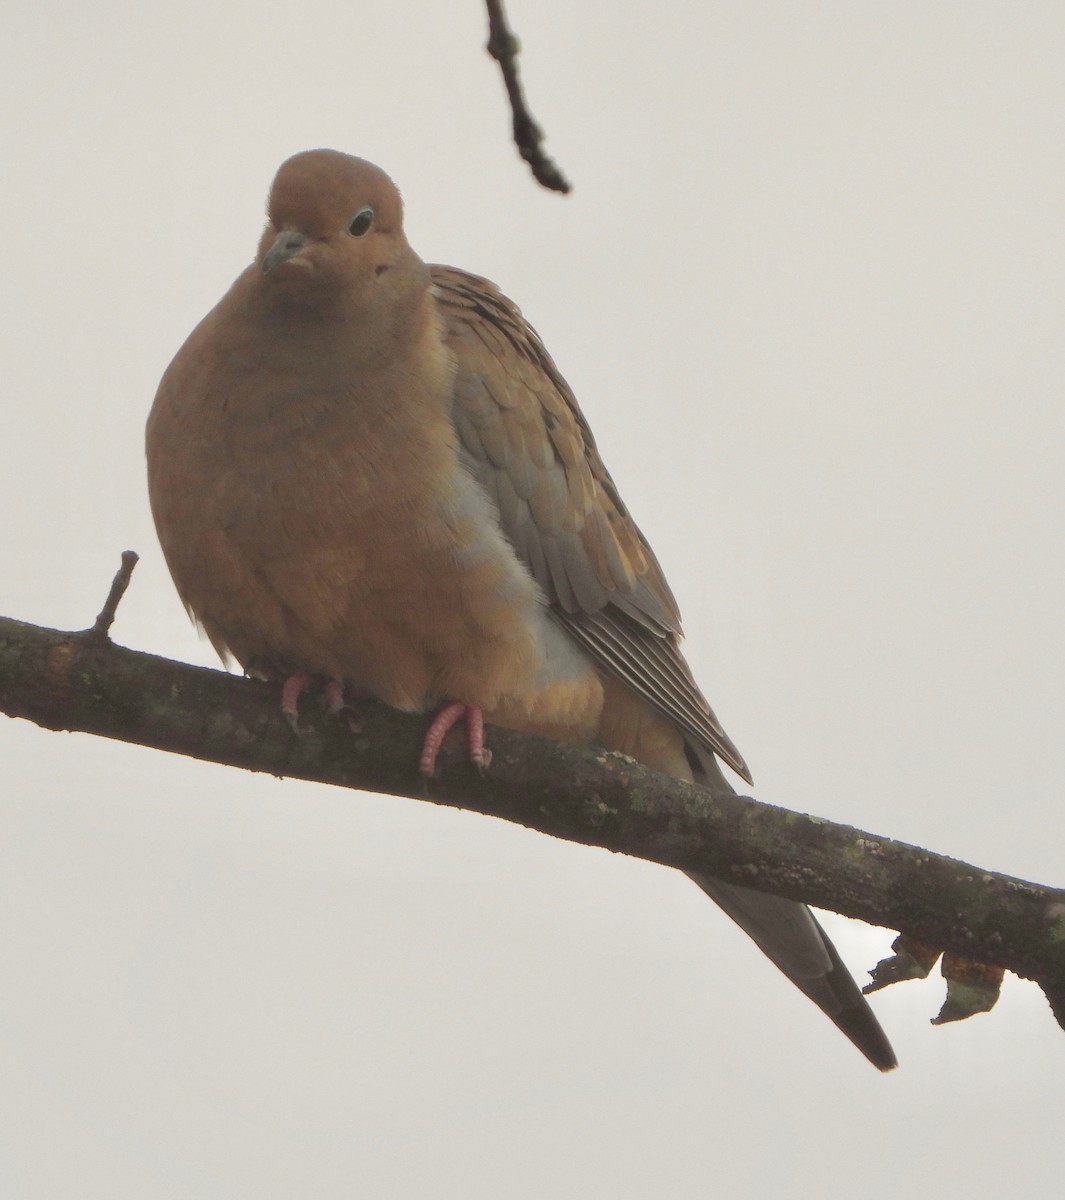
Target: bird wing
point(523, 437)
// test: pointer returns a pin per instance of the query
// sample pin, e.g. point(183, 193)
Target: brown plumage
point(370, 470)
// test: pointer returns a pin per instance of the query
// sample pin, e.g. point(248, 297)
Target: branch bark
point(504, 47)
point(82, 681)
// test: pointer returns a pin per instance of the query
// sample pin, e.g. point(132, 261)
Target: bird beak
point(287, 244)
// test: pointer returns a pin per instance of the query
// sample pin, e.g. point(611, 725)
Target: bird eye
point(361, 222)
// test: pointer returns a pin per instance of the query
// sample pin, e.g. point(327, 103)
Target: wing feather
point(523, 437)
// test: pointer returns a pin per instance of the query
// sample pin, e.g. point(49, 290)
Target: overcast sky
point(810, 292)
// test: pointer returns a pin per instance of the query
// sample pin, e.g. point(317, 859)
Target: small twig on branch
point(503, 46)
point(102, 625)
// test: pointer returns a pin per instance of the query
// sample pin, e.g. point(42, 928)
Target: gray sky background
point(810, 291)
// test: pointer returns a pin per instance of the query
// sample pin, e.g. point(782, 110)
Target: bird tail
point(789, 935)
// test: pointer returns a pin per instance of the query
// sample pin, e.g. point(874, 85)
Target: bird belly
point(388, 571)
point(442, 609)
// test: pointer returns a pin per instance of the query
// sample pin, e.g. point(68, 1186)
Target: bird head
point(334, 239)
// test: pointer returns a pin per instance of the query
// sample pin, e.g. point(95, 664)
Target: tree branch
point(106, 618)
point(82, 681)
point(503, 46)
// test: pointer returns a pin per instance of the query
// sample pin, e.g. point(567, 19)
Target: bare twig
point(67, 681)
point(503, 46)
point(102, 626)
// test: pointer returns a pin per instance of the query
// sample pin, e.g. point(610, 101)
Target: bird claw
point(294, 687)
point(441, 725)
point(291, 690)
point(334, 697)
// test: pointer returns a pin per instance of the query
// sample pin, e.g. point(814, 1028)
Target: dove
point(368, 472)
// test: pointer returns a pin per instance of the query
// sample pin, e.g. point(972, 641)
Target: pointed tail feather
point(789, 935)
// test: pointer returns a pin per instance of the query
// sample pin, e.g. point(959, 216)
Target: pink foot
point(448, 716)
point(294, 687)
point(291, 690)
point(334, 697)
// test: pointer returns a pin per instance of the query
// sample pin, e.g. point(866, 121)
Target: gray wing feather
point(523, 437)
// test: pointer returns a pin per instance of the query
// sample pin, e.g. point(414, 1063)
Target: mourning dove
point(369, 471)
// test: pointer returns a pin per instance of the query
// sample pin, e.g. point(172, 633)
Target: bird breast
point(311, 522)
